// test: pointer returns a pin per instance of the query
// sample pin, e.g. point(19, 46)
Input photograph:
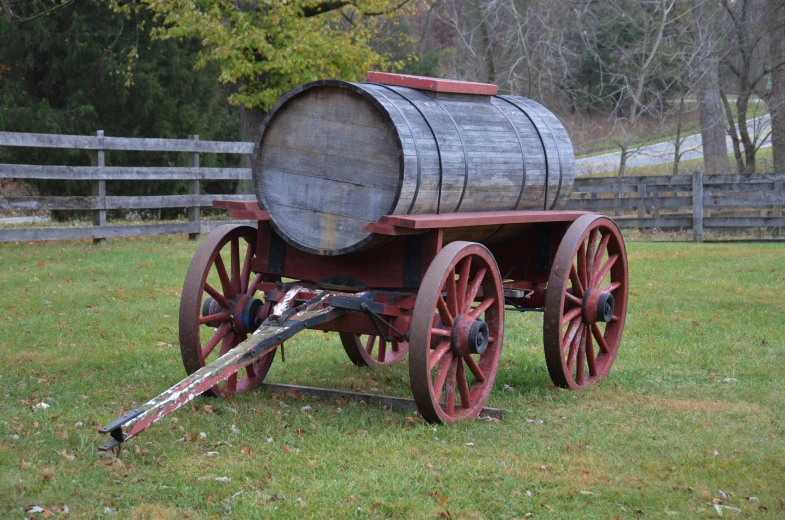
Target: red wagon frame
point(437, 290)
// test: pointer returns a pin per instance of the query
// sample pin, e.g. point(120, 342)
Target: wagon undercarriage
point(437, 290)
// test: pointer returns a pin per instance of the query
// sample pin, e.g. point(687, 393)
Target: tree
point(705, 76)
point(77, 67)
point(265, 48)
point(745, 57)
point(636, 49)
point(776, 102)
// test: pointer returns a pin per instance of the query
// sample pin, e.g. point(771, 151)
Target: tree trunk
point(250, 121)
point(777, 95)
point(733, 134)
point(742, 104)
point(677, 141)
point(707, 89)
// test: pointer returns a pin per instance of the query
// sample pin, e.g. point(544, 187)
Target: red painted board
point(486, 218)
point(433, 84)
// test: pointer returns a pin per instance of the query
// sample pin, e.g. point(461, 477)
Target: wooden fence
point(697, 202)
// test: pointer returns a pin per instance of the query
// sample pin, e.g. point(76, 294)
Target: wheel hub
point(469, 336)
point(597, 306)
point(245, 313)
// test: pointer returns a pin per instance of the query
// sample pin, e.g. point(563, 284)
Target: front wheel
point(219, 307)
point(456, 333)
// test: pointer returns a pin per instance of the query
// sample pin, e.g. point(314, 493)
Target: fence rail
point(695, 202)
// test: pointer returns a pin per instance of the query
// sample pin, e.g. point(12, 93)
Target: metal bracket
point(412, 261)
point(276, 258)
point(355, 304)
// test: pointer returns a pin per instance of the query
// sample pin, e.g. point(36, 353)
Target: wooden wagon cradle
point(407, 214)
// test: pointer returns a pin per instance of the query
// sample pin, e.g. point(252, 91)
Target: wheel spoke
point(222, 301)
point(604, 270)
point(250, 370)
point(590, 250)
point(226, 284)
point(382, 349)
point(611, 287)
point(573, 353)
point(579, 369)
point(576, 282)
point(450, 390)
point(252, 287)
point(474, 288)
point(463, 385)
point(231, 384)
point(246, 274)
point(441, 332)
point(572, 330)
point(583, 275)
point(574, 299)
point(595, 329)
point(210, 345)
point(226, 343)
point(570, 314)
point(235, 247)
point(444, 312)
point(221, 316)
point(438, 353)
point(452, 296)
point(463, 281)
point(369, 344)
point(601, 250)
point(475, 369)
point(441, 375)
point(482, 307)
point(590, 352)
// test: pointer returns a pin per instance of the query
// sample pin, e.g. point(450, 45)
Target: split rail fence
point(696, 202)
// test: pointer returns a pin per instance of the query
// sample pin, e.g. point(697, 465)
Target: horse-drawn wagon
point(408, 215)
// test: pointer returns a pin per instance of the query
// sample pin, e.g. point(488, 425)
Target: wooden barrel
point(332, 157)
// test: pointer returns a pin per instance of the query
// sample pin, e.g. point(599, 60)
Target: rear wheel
point(586, 303)
point(371, 351)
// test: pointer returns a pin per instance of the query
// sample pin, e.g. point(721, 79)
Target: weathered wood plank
point(40, 203)
point(118, 173)
point(754, 201)
point(662, 222)
point(85, 142)
point(679, 180)
point(629, 203)
point(87, 232)
point(718, 222)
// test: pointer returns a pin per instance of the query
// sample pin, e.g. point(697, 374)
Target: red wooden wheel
point(218, 307)
point(586, 303)
point(456, 333)
point(370, 351)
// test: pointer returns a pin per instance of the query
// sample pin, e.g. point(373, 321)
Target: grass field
point(688, 424)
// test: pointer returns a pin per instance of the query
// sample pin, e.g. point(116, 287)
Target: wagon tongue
point(270, 334)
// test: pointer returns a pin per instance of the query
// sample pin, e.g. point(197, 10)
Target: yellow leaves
point(267, 51)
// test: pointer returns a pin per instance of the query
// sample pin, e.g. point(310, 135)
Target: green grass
point(694, 404)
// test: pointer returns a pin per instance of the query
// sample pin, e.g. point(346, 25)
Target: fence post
point(194, 212)
point(697, 205)
point(642, 204)
point(778, 190)
point(98, 158)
